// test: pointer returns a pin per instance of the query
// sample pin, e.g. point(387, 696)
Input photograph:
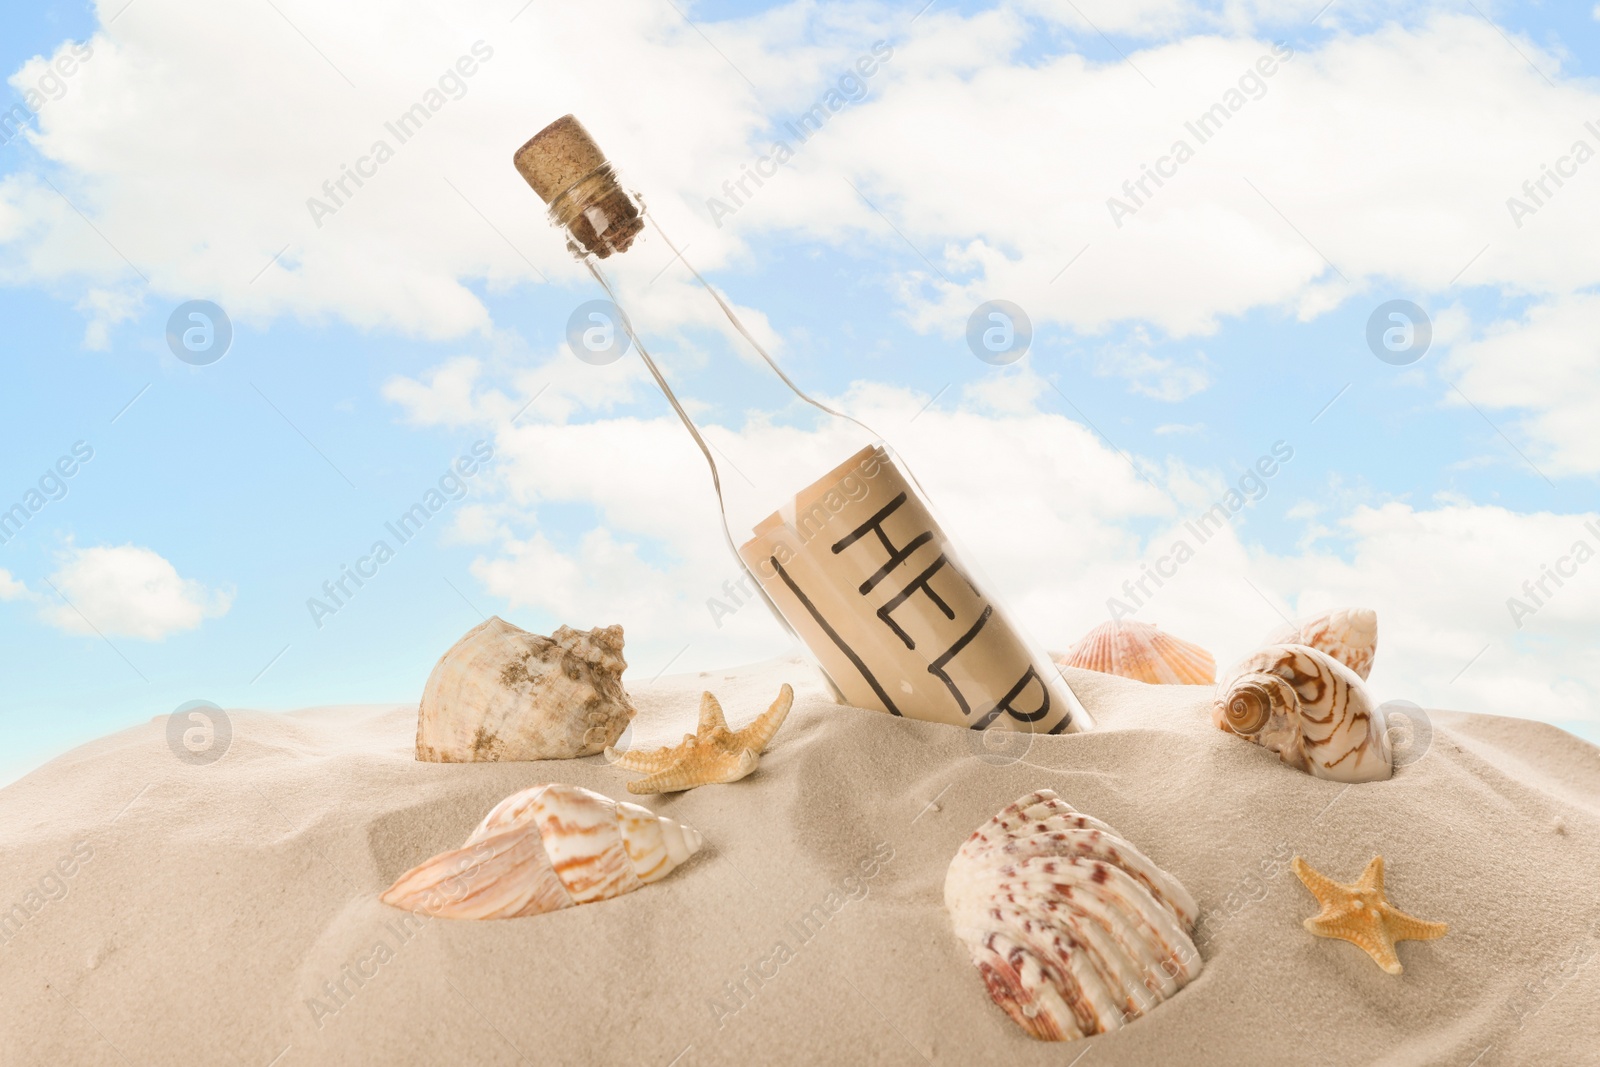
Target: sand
point(210, 909)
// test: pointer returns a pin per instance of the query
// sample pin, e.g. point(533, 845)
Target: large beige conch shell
point(1349, 635)
point(543, 849)
point(1074, 931)
point(1310, 709)
point(502, 693)
point(1141, 651)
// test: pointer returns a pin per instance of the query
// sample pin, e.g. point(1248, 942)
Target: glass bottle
point(828, 525)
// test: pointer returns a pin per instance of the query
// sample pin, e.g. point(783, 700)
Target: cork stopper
point(570, 173)
point(557, 156)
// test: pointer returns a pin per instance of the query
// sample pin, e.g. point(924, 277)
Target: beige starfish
point(1362, 915)
point(712, 754)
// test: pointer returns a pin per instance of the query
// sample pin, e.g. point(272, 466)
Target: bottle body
point(845, 548)
point(858, 566)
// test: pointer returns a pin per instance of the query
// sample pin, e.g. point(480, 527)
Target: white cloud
point(603, 581)
point(476, 524)
point(1362, 130)
point(203, 205)
point(515, 385)
point(1353, 145)
point(129, 591)
point(1357, 144)
point(1051, 515)
point(11, 588)
point(444, 399)
point(104, 308)
point(995, 163)
point(1166, 18)
point(1547, 366)
point(656, 554)
point(1441, 579)
point(1157, 377)
point(1013, 390)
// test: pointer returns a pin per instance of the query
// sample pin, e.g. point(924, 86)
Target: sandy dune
point(165, 913)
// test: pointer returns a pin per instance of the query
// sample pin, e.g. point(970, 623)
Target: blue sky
point(1220, 320)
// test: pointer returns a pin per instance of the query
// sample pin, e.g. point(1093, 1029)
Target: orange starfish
point(712, 754)
point(1361, 915)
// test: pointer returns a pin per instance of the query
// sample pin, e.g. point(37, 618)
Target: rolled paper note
point(858, 567)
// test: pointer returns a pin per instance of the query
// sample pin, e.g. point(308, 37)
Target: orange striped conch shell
point(1349, 635)
point(543, 849)
point(1074, 931)
point(1310, 709)
point(1140, 651)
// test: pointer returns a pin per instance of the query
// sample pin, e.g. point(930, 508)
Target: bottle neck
point(602, 219)
point(854, 562)
point(599, 216)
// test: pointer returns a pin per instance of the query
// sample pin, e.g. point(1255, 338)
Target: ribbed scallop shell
point(502, 693)
point(1349, 635)
point(1074, 931)
point(1140, 651)
point(1310, 709)
point(543, 849)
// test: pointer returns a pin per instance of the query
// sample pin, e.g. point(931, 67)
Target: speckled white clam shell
point(1310, 709)
point(544, 849)
point(1074, 930)
point(502, 693)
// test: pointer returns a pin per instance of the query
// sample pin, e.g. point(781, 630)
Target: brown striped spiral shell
point(1310, 709)
point(1249, 707)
